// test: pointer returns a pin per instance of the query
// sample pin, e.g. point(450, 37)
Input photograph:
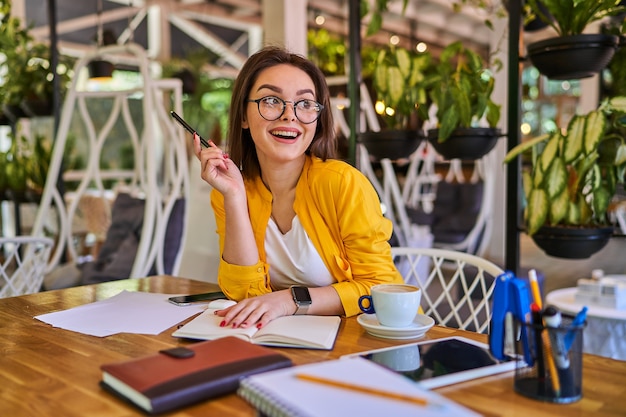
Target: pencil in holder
point(555, 374)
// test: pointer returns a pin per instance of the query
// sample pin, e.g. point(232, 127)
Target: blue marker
point(578, 321)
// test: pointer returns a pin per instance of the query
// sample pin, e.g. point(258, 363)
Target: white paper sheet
point(126, 312)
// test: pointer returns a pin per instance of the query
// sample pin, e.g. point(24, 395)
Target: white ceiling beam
point(84, 22)
point(207, 39)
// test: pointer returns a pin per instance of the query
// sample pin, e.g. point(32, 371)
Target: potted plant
point(573, 177)
point(27, 87)
point(573, 54)
point(460, 86)
point(397, 80)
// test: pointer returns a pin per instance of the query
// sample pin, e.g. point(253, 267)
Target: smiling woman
point(281, 194)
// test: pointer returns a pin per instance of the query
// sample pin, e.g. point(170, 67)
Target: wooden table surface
point(47, 371)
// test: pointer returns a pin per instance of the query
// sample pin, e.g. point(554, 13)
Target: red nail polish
point(223, 323)
point(259, 325)
point(225, 155)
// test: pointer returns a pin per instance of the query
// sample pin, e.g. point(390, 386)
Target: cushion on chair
point(117, 254)
point(173, 237)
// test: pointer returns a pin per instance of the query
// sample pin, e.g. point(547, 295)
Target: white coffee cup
point(395, 305)
point(402, 360)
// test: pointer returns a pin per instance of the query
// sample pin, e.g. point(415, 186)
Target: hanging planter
point(36, 107)
point(465, 143)
point(572, 242)
point(99, 69)
point(392, 144)
point(573, 57)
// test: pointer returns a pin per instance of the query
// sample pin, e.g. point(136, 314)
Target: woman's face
point(286, 138)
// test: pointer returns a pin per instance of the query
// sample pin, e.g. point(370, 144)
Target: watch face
point(301, 294)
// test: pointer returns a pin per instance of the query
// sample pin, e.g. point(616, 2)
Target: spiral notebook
point(367, 390)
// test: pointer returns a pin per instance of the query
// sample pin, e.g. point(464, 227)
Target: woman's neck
point(282, 178)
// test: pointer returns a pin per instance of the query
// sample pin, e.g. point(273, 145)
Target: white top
point(293, 259)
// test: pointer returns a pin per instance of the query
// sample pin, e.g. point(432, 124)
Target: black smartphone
point(185, 300)
point(190, 129)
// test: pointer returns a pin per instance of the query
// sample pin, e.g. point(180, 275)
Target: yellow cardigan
point(340, 212)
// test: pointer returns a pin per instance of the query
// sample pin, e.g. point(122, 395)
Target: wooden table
point(47, 371)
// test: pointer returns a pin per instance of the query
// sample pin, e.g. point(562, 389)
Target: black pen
point(190, 129)
point(537, 329)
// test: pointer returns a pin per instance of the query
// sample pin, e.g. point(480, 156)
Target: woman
point(300, 232)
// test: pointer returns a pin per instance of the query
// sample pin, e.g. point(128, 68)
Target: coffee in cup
point(395, 305)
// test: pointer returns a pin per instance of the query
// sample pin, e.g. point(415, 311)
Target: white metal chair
point(457, 287)
point(160, 178)
point(23, 261)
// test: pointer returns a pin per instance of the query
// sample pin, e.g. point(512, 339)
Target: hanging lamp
point(101, 70)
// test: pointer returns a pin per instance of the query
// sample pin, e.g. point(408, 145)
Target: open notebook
point(282, 393)
point(305, 331)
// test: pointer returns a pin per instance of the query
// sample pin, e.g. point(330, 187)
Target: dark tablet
point(435, 363)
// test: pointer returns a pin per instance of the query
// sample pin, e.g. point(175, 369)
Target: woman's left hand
point(258, 311)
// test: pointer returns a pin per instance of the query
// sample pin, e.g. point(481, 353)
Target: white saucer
point(417, 329)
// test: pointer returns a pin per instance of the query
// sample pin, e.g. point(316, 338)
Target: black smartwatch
point(302, 298)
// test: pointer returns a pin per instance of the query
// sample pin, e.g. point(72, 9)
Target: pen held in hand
point(363, 389)
point(190, 129)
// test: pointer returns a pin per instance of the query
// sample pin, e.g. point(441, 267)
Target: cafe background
point(204, 43)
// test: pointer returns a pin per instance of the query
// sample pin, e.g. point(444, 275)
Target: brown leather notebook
point(182, 376)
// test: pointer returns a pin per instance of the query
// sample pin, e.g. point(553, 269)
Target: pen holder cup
point(555, 372)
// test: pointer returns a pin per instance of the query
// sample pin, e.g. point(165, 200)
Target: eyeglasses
point(271, 108)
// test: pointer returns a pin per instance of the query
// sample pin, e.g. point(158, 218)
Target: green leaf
point(550, 151)
point(620, 156)
point(573, 144)
point(586, 213)
point(448, 124)
point(375, 24)
point(618, 104)
point(537, 210)
point(601, 199)
point(404, 62)
point(595, 126)
point(556, 178)
point(524, 146)
point(573, 213)
point(463, 106)
point(493, 113)
point(559, 207)
point(395, 84)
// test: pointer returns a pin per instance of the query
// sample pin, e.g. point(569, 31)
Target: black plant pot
point(13, 112)
point(573, 57)
point(465, 143)
point(572, 242)
point(4, 119)
point(392, 144)
point(37, 107)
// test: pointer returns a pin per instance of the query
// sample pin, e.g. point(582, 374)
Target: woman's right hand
point(217, 169)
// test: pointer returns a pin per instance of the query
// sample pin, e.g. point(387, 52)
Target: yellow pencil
point(360, 388)
point(534, 286)
point(556, 383)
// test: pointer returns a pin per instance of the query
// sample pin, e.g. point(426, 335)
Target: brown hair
point(241, 147)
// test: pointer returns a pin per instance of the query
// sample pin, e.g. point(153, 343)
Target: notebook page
point(280, 393)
